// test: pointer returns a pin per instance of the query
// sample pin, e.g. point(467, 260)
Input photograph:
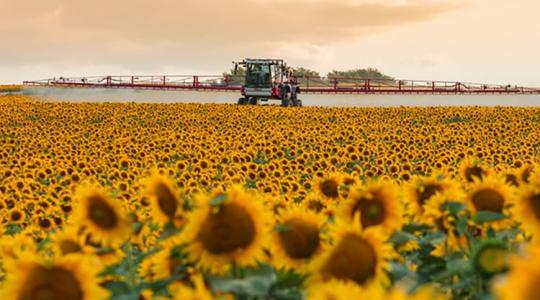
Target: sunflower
point(511, 177)
point(527, 209)
point(471, 169)
point(68, 278)
point(315, 202)
point(377, 203)
point(228, 228)
point(101, 216)
point(490, 257)
point(16, 215)
point(422, 189)
point(439, 218)
point(68, 241)
point(164, 201)
point(525, 173)
point(171, 261)
point(355, 256)
point(16, 246)
point(296, 238)
point(329, 186)
point(490, 195)
point(522, 281)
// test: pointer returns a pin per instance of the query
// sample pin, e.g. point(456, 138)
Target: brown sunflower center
point(353, 259)
point(299, 239)
point(101, 213)
point(534, 201)
point(472, 172)
point(16, 216)
point(487, 199)
point(426, 192)
point(51, 284)
point(329, 188)
point(45, 223)
point(67, 247)
point(315, 205)
point(166, 200)
point(229, 229)
point(372, 211)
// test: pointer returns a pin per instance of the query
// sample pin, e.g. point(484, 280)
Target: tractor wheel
point(285, 102)
point(241, 101)
point(253, 100)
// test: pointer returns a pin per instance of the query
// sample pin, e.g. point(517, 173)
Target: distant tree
point(369, 73)
point(305, 72)
point(240, 72)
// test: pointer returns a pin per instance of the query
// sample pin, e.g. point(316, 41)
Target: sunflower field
point(202, 201)
point(10, 88)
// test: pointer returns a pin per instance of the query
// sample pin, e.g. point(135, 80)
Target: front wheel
point(242, 101)
point(285, 102)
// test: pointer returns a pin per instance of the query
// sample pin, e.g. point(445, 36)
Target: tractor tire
point(241, 101)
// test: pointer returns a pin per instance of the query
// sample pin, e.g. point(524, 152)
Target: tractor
point(268, 79)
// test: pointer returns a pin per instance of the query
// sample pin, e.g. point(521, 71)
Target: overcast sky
point(491, 41)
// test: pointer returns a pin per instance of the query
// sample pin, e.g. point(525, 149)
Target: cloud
point(148, 34)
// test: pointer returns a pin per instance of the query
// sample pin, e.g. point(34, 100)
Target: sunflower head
point(296, 238)
point(102, 217)
point(490, 257)
point(527, 209)
point(68, 241)
point(227, 228)
point(355, 256)
point(377, 205)
point(523, 278)
point(171, 261)
point(490, 195)
point(422, 189)
point(471, 169)
point(164, 201)
point(68, 278)
point(525, 173)
point(330, 186)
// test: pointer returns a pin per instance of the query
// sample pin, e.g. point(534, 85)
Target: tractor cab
point(259, 75)
point(268, 79)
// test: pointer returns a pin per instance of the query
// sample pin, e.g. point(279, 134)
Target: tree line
point(362, 73)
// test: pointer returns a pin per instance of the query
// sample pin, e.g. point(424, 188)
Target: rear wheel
point(285, 102)
point(242, 101)
point(253, 100)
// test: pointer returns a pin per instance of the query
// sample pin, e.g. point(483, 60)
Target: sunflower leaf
point(11, 229)
point(122, 291)
point(488, 216)
point(453, 207)
point(218, 200)
point(256, 282)
point(402, 237)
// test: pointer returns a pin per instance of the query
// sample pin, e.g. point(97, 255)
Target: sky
point(485, 41)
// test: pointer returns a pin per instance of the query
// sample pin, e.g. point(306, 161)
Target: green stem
point(131, 268)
